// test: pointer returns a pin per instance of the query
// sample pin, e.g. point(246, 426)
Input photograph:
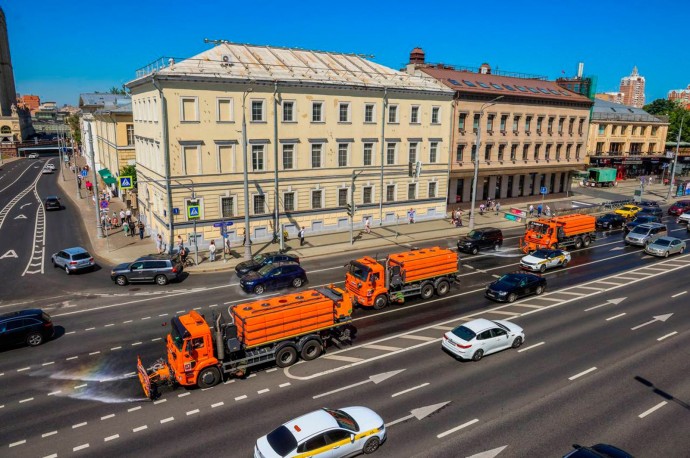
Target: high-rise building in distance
point(632, 88)
point(681, 95)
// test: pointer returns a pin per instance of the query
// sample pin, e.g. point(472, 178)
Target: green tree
point(130, 171)
point(74, 127)
point(120, 91)
point(675, 112)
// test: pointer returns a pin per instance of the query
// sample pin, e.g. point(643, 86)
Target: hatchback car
point(478, 338)
point(641, 219)
point(31, 327)
point(273, 276)
point(665, 246)
point(597, 451)
point(510, 287)
point(73, 259)
point(543, 259)
point(260, 260)
point(52, 203)
point(628, 211)
point(348, 431)
point(154, 268)
point(481, 239)
point(679, 208)
point(610, 221)
point(645, 234)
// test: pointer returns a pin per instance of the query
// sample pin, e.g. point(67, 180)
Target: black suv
point(260, 260)
point(641, 218)
point(52, 203)
point(481, 239)
point(154, 268)
point(610, 221)
point(31, 326)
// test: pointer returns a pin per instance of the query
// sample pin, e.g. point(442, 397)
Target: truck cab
point(365, 279)
point(190, 347)
point(540, 234)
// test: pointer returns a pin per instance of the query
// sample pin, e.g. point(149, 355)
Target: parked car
point(664, 246)
point(610, 221)
point(260, 260)
point(654, 211)
point(348, 431)
point(684, 218)
point(641, 219)
point(645, 234)
point(481, 239)
point(510, 287)
point(31, 327)
point(46, 170)
point(154, 268)
point(52, 203)
point(478, 338)
point(33, 156)
point(543, 259)
point(679, 208)
point(273, 276)
point(628, 211)
point(73, 259)
point(597, 451)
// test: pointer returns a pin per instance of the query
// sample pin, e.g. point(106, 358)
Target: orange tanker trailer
point(569, 231)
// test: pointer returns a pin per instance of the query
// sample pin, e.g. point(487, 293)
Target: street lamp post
point(476, 158)
point(99, 226)
point(675, 158)
point(247, 241)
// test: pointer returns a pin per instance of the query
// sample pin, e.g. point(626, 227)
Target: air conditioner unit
point(227, 59)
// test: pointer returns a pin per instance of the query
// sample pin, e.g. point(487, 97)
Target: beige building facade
point(312, 124)
point(114, 137)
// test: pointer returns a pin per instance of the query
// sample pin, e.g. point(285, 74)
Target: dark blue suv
point(273, 276)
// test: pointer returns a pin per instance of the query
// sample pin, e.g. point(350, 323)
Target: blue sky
point(61, 49)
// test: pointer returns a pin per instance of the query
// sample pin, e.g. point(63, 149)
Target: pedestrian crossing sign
point(126, 182)
point(193, 212)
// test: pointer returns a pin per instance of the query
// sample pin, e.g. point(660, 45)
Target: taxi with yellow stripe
point(540, 260)
point(344, 432)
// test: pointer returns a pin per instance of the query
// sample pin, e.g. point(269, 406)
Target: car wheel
point(54, 263)
point(539, 290)
point(371, 445)
point(666, 254)
point(477, 355)
point(34, 339)
point(311, 350)
point(564, 263)
point(67, 270)
point(286, 356)
point(209, 377)
point(512, 297)
point(297, 282)
point(542, 268)
point(121, 280)
point(380, 301)
point(427, 291)
point(161, 280)
point(682, 249)
point(259, 289)
point(497, 247)
point(475, 250)
point(517, 342)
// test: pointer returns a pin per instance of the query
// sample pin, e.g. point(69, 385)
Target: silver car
point(480, 337)
point(665, 246)
point(73, 259)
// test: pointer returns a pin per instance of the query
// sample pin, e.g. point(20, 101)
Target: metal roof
point(122, 109)
point(103, 100)
point(605, 110)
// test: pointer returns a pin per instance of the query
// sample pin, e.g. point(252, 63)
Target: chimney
point(417, 56)
point(485, 69)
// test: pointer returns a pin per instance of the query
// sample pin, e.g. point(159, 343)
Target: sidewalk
point(117, 248)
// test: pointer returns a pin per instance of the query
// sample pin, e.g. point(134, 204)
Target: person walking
point(497, 207)
point(539, 210)
point(458, 218)
point(411, 215)
point(122, 217)
point(128, 215)
point(180, 244)
point(547, 211)
point(159, 244)
point(212, 251)
point(141, 230)
point(132, 228)
point(367, 225)
point(531, 210)
point(300, 234)
point(481, 209)
point(125, 227)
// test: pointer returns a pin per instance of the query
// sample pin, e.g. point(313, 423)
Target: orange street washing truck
point(279, 329)
point(566, 231)
point(417, 272)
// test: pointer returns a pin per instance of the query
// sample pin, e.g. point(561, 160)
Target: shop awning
point(107, 176)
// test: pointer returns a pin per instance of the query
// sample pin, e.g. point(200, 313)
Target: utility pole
point(247, 241)
point(99, 226)
point(675, 158)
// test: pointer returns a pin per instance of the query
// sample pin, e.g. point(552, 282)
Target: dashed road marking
point(79, 425)
point(667, 335)
point(591, 369)
point(94, 353)
point(21, 442)
point(239, 398)
point(166, 420)
point(160, 401)
point(192, 412)
point(71, 358)
point(26, 400)
point(457, 428)
point(531, 346)
point(615, 316)
point(23, 369)
point(409, 389)
point(134, 408)
point(80, 386)
point(656, 407)
point(52, 433)
point(283, 385)
point(217, 404)
point(108, 416)
point(80, 447)
point(54, 393)
point(48, 363)
point(139, 428)
point(181, 395)
point(265, 390)
point(115, 348)
point(679, 294)
point(110, 438)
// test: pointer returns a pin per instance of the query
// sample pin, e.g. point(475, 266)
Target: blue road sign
point(227, 223)
point(104, 204)
point(193, 212)
point(84, 173)
point(126, 182)
point(176, 211)
point(543, 190)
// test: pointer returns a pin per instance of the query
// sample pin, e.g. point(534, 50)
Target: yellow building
point(314, 124)
point(113, 132)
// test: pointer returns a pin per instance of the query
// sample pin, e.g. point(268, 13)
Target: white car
point(684, 218)
point(544, 259)
point(47, 170)
point(326, 432)
point(33, 156)
point(50, 165)
point(477, 338)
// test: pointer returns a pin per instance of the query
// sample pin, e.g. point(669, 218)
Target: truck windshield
point(538, 227)
point(177, 332)
point(359, 271)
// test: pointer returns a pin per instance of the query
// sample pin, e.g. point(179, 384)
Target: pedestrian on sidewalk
point(547, 212)
point(141, 230)
point(300, 234)
point(481, 209)
point(78, 182)
point(212, 251)
point(132, 228)
point(367, 225)
point(497, 207)
point(180, 245)
point(126, 229)
point(531, 210)
point(411, 216)
point(159, 244)
point(89, 186)
point(128, 215)
point(122, 217)
point(458, 217)
point(539, 210)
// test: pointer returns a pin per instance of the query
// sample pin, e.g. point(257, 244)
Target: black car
point(510, 287)
point(52, 203)
point(273, 276)
point(481, 239)
point(597, 451)
point(656, 211)
point(610, 221)
point(31, 327)
point(641, 218)
point(260, 260)
point(153, 268)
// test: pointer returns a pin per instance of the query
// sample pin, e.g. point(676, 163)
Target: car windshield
point(640, 230)
point(266, 269)
point(80, 256)
point(505, 328)
point(662, 242)
point(281, 440)
point(627, 209)
point(259, 258)
point(344, 420)
point(359, 271)
point(474, 235)
point(541, 254)
point(512, 280)
point(464, 333)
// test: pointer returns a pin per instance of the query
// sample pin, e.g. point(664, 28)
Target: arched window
point(5, 130)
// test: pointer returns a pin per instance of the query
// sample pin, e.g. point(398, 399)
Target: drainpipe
point(276, 223)
point(117, 150)
point(453, 117)
point(383, 149)
point(166, 158)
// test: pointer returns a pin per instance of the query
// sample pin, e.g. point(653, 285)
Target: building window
point(537, 150)
point(412, 154)
point(390, 193)
point(516, 124)
point(257, 110)
point(288, 111)
point(547, 153)
point(513, 152)
point(490, 123)
point(317, 112)
point(316, 150)
point(390, 154)
point(288, 157)
point(226, 162)
point(550, 126)
point(540, 122)
point(528, 123)
point(473, 154)
point(487, 152)
point(432, 189)
point(475, 123)
point(392, 114)
point(342, 197)
point(344, 112)
point(602, 129)
point(461, 121)
point(525, 150)
point(599, 148)
point(259, 204)
point(501, 152)
point(227, 207)
point(411, 191)
point(342, 154)
point(504, 120)
point(289, 201)
point(435, 115)
point(191, 158)
point(581, 127)
point(189, 109)
point(458, 153)
point(316, 199)
point(367, 192)
point(571, 126)
point(130, 134)
point(577, 152)
point(558, 152)
point(414, 114)
point(224, 110)
point(258, 158)
point(433, 152)
point(369, 112)
point(654, 129)
point(567, 152)
point(560, 125)
point(368, 153)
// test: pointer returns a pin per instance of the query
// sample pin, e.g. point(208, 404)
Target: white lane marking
point(522, 304)
point(239, 398)
point(94, 353)
point(503, 312)
point(52, 433)
point(409, 389)
point(80, 447)
point(166, 420)
point(570, 293)
point(413, 337)
point(71, 358)
point(70, 332)
point(443, 328)
point(160, 401)
point(192, 412)
point(108, 416)
point(631, 278)
point(163, 314)
point(115, 348)
point(134, 408)
point(109, 324)
point(614, 317)
point(128, 321)
point(213, 305)
point(136, 343)
point(26, 400)
point(656, 407)
point(181, 395)
point(273, 369)
point(14, 444)
point(139, 428)
point(265, 390)
point(348, 359)
point(667, 335)
point(283, 385)
point(110, 438)
point(23, 369)
point(80, 386)
point(591, 369)
point(385, 347)
point(89, 329)
point(531, 346)
point(457, 428)
point(48, 363)
point(217, 404)
point(146, 318)
point(79, 425)
point(54, 393)
point(679, 294)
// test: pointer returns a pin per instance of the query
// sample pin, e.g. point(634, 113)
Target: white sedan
point(50, 165)
point(326, 432)
point(47, 170)
point(684, 218)
point(544, 259)
point(477, 338)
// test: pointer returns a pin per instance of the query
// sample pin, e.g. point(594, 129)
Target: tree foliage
point(675, 112)
point(74, 127)
point(119, 91)
point(131, 171)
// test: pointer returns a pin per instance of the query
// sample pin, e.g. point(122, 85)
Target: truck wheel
point(475, 250)
point(380, 302)
point(286, 356)
point(371, 445)
point(209, 377)
point(427, 291)
point(311, 350)
point(586, 241)
point(442, 288)
point(578, 243)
